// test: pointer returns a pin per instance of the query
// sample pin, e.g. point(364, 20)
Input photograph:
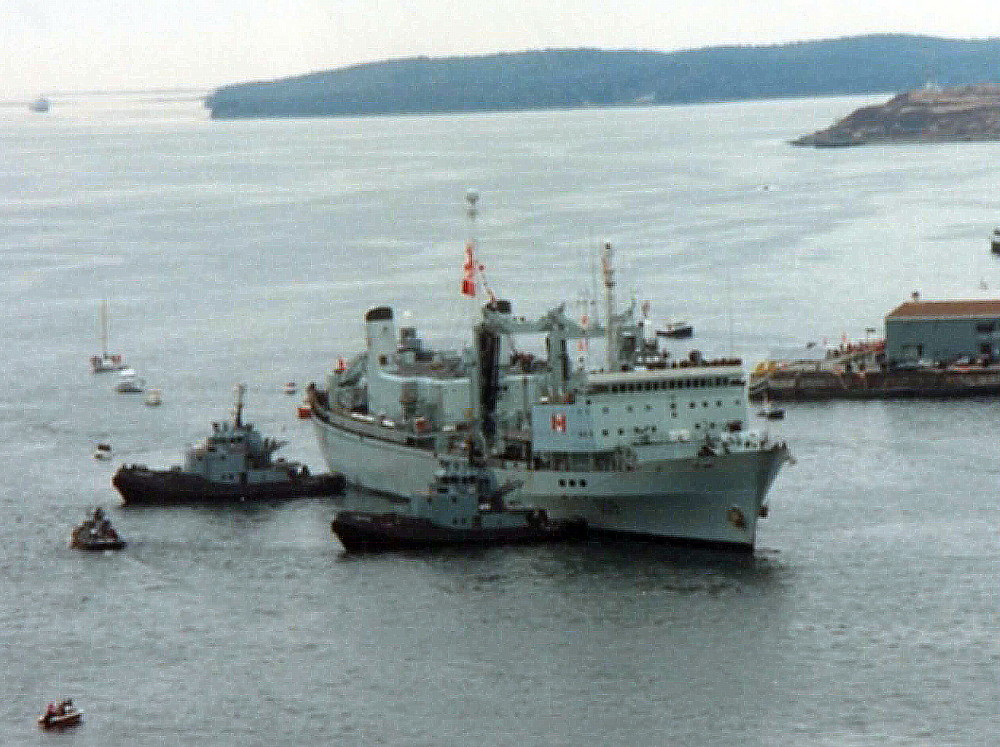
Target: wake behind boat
point(233, 464)
point(646, 445)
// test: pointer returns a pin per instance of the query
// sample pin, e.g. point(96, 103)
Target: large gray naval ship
point(646, 445)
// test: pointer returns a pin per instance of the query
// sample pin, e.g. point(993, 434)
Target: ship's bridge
point(682, 404)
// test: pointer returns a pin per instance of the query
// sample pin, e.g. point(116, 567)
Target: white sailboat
point(105, 361)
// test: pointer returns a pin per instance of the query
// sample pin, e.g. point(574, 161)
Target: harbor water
point(247, 251)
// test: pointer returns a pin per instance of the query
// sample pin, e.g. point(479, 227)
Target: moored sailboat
point(105, 361)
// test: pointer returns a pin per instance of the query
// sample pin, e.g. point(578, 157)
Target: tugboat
point(61, 715)
point(96, 534)
point(233, 464)
point(463, 506)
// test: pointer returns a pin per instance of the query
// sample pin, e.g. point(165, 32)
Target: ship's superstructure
point(646, 445)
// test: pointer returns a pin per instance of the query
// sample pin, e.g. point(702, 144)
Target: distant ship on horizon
point(40, 105)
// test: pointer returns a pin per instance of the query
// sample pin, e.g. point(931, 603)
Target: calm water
point(247, 251)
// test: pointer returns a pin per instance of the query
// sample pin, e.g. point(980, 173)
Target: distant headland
point(930, 114)
point(577, 78)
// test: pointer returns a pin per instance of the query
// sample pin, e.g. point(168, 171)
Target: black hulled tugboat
point(233, 464)
point(463, 506)
point(96, 534)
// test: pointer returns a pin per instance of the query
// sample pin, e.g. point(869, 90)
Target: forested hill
point(588, 77)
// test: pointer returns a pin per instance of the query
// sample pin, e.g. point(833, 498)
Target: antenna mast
point(608, 271)
point(238, 408)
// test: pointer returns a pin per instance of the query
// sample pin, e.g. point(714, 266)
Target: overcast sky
point(70, 45)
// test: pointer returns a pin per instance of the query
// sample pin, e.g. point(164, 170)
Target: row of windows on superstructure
point(673, 406)
point(651, 386)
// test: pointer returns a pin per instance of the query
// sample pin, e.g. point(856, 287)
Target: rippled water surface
point(247, 251)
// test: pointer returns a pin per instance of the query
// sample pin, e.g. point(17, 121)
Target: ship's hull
point(73, 718)
point(142, 486)
point(713, 500)
point(98, 545)
point(369, 532)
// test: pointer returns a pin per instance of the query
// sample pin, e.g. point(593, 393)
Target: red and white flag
point(469, 273)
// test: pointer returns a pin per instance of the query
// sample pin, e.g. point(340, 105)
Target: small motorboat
point(771, 412)
point(40, 105)
point(61, 715)
point(96, 534)
point(103, 451)
point(129, 382)
point(154, 398)
point(676, 330)
point(290, 388)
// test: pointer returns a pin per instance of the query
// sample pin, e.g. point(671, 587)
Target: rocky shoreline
point(928, 115)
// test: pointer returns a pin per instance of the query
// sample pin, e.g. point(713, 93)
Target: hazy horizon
point(113, 45)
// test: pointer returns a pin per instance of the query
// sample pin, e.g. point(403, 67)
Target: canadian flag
point(559, 422)
point(469, 273)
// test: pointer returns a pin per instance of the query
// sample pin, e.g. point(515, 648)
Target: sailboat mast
point(104, 329)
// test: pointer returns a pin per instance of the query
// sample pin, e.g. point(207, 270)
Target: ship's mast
point(238, 407)
point(471, 211)
point(608, 272)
